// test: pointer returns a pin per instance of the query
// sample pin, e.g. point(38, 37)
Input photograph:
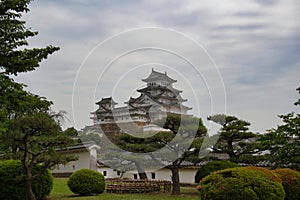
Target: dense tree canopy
point(283, 142)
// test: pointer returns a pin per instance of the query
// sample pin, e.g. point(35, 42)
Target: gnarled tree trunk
point(175, 180)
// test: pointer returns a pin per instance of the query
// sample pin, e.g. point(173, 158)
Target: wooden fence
point(121, 186)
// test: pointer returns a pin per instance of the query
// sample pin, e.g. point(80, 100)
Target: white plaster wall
point(161, 174)
point(186, 175)
point(82, 162)
point(110, 173)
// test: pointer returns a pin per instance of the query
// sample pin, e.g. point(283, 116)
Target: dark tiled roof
point(106, 101)
point(158, 75)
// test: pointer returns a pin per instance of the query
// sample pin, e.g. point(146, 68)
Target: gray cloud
point(254, 43)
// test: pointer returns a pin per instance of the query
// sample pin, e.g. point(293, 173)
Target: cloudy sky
point(235, 57)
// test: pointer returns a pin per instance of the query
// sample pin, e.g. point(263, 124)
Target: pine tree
point(283, 142)
point(234, 137)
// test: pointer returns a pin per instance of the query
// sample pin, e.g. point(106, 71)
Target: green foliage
point(250, 159)
point(12, 181)
point(176, 122)
point(144, 145)
point(291, 183)
point(15, 102)
point(233, 137)
point(34, 138)
point(212, 167)
point(268, 173)
point(15, 59)
point(86, 182)
point(44, 184)
point(13, 34)
point(71, 132)
point(240, 183)
point(26, 131)
point(37, 135)
point(284, 141)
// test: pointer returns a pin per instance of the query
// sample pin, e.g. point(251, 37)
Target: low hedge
point(12, 181)
point(212, 167)
point(86, 182)
point(291, 183)
point(240, 183)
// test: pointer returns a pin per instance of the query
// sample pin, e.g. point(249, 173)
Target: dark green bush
point(44, 184)
point(291, 183)
point(212, 167)
point(86, 182)
point(240, 183)
point(12, 181)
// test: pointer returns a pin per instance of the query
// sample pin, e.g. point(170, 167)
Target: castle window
point(153, 175)
point(135, 176)
point(104, 173)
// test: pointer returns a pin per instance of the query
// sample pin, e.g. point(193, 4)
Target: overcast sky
point(244, 54)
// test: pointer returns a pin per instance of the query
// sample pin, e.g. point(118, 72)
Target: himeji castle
point(157, 99)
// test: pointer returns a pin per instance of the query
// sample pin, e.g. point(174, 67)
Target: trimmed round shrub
point(12, 181)
point(291, 183)
point(270, 174)
point(86, 182)
point(212, 167)
point(240, 183)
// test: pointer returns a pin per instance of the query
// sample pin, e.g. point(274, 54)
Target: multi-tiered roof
point(158, 98)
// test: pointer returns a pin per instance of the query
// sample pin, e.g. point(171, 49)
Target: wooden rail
point(121, 186)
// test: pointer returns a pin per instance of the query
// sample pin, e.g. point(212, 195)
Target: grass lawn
point(61, 192)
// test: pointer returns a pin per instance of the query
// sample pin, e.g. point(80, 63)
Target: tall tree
point(14, 57)
point(234, 137)
point(26, 128)
point(283, 142)
point(150, 151)
point(190, 132)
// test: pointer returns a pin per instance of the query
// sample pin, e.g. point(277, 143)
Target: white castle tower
point(156, 100)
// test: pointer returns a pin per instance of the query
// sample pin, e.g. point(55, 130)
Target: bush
point(44, 184)
point(12, 181)
point(250, 159)
point(86, 182)
point(270, 174)
point(291, 183)
point(240, 183)
point(212, 167)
